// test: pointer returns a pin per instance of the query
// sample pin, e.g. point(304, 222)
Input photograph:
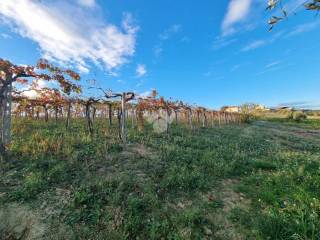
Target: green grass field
point(254, 181)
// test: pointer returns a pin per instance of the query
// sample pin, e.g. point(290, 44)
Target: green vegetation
point(252, 181)
point(298, 116)
point(306, 124)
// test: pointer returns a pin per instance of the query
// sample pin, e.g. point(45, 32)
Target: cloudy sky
point(211, 53)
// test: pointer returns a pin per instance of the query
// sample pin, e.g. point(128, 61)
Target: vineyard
point(58, 103)
point(125, 166)
point(159, 120)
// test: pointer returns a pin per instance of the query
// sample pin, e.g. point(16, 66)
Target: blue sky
point(210, 53)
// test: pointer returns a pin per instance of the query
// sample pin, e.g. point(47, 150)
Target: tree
point(10, 73)
point(247, 110)
point(311, 5)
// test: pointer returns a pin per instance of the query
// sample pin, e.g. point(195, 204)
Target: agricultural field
point(157, 120)
point(258, 180)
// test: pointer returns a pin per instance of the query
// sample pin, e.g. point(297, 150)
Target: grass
point(254, 181)
point(308, 123)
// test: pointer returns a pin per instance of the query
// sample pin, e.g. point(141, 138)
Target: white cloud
point(42, 83)
point(83, 69)
point(87, 3)
point(238, 10)
point(185, 39)
point(254, 45)
point(271, 69)
point(141, 70)
point(164, 36)
point(307, 27)
point(32, 92)
point(121, 81)
point(222, 42)
point(69, 34)
point(113, 74)
point(207, 74)
point(140, 83)
point(157, 50)
point(235, 67)
point(5, 36)
point(145, 94)
point(170, 31)
point(272, 64)
point(259, 43)
point(293, 6)
point(315, 105)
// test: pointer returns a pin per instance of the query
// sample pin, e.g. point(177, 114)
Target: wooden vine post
point(69, 106)
point(132, 116)
point(190, 118)
point(140, 121)
point(125, 97)
point(5, 114)
point(110, 114)
point(123, 117)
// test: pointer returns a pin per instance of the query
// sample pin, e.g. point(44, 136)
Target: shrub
point(299, 116)
point(247, 117)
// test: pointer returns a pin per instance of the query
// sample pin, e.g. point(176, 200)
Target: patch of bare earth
point(231, 199)
point(132, 160)
point(19, 222)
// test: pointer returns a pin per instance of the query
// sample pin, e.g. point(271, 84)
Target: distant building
point(250, 108)
point(284, 108)
point(261, 107)
point(231, 109)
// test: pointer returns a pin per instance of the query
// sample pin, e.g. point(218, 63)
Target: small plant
point(33, 183)
point(299, 116)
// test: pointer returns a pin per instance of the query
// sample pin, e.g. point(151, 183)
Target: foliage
point(43, 70)
point(310, 5)
point(298, 116)
point(247, 111)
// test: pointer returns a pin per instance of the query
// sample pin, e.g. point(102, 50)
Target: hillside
point(248, 181)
